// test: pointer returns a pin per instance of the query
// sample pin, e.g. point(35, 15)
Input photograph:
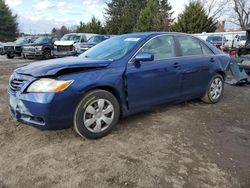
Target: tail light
point(232, 52)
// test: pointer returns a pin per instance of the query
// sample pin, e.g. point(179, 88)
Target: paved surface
point(186, 145)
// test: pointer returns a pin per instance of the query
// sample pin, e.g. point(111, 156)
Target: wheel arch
point(222, 73)
point(110, 89)
point(47, 48)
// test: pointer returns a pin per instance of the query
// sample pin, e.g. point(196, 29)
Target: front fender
point(110, 79)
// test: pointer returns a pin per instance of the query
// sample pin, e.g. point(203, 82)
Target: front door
point(154, 82)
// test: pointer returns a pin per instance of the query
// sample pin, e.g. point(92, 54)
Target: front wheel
point(215, 90)
point(97, 114)
point(10, 56)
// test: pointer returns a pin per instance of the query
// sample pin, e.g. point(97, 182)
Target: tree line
point(126, 16)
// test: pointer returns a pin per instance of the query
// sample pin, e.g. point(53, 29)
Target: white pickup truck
point(66, 46)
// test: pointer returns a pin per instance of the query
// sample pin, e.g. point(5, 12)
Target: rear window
point(191, 46)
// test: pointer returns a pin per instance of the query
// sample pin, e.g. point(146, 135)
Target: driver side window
point(162, 47)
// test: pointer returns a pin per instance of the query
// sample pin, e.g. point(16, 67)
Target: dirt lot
point(186, 145)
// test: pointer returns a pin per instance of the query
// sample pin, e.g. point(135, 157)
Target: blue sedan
point(118, 77)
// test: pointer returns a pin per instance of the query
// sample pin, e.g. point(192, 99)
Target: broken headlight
point(47, 85)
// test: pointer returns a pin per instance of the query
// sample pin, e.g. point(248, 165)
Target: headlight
point(47, 85)
point(39, 47)
point(77, 47)
point(85, 48)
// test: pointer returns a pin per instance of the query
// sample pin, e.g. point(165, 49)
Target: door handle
point(176, 65)
point(212, 59)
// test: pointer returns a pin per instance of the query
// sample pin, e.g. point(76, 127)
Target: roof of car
point(151, 34)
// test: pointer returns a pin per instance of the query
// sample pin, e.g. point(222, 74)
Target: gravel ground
point(185, 145)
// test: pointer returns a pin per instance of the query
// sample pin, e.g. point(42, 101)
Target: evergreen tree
point(113, 16)
point(94, 26)
point(130, 16)
point(164, 17)
point(194, 20)
point(8, 23)
point(148, 17)
point(156, 16)
point(122, 15)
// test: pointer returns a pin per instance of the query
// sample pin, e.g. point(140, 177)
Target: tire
point(215, 90)
point(10, 56)
point(90, 118)
point(47, 54)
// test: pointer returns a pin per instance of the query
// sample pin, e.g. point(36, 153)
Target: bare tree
point(215, 8)
point(241, 14)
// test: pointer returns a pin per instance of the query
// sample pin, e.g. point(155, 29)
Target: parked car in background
point(67, 45)
point(94, 40)
point(217, 41)
point(118, 77)
point(40, 48)
point(13, 49)
point(1, 48)
point(239, 41)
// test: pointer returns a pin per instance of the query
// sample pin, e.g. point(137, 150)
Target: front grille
point(16, 84)
point(64, 48)
point(18, 49)
point(8, 48)
point(30, 49)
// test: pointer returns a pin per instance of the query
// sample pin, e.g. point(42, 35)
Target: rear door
point(196, 62)
point(156, 81)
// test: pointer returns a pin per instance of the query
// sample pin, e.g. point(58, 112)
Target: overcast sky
point(40, 16)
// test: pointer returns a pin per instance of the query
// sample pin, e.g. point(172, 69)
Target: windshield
point(41, 40)
point(21, 41)
point(112, 49)
point(97, 39)
point(75, 38)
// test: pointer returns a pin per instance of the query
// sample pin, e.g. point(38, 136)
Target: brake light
point(232, 52)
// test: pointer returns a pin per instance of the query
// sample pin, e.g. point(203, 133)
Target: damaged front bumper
point(45, 111)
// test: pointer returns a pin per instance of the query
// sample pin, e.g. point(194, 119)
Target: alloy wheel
point(98, 115)
point(216, 88)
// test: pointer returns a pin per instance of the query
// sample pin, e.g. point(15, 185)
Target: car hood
point(9, 44)
point(64, 43)
point(12, 44)
point(64, 65)
point(36, 44)
point(87, 44)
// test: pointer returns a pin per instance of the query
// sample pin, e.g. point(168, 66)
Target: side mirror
point(145, 56)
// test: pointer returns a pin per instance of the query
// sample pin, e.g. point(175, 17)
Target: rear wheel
point(97, 114)
point(215, 90)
